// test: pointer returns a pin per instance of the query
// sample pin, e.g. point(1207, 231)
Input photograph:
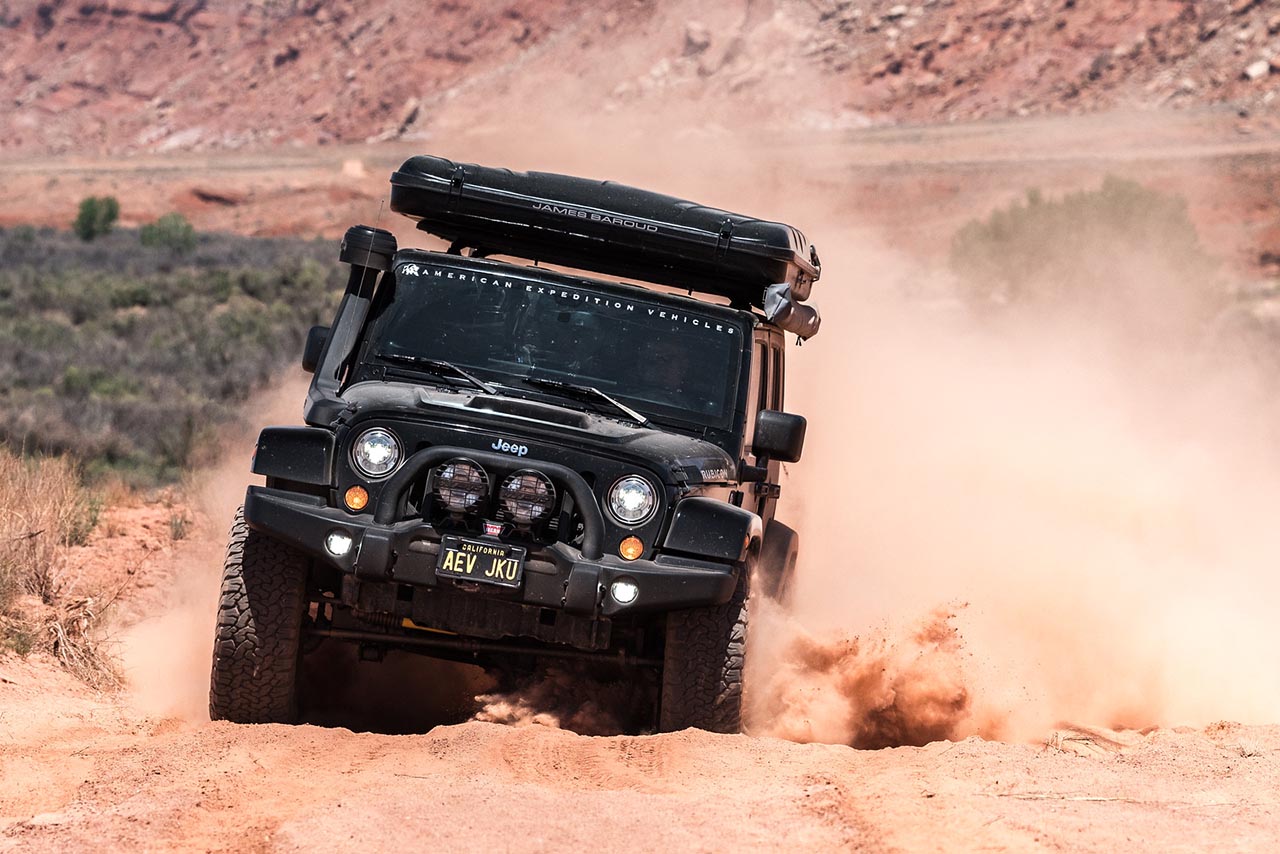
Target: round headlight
point(632, 500)
point(376, 453)
point(527, 496)
point(460, 484)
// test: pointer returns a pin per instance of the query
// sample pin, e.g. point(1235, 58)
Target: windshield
point(664, 361)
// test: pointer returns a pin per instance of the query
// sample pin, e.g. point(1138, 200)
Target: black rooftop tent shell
point(604, 227)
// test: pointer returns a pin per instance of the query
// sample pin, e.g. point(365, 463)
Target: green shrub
point(171, 231)
point(96, 217)
point(22, 234)
point(131, 361)
point(1089, 250)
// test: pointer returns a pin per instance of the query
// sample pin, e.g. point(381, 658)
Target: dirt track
point(910, 187)
point(79, 772)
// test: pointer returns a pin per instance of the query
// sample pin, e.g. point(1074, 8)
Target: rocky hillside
point(117, 76)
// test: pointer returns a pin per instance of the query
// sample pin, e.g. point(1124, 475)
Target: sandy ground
point(143, 770)
point(80, 772)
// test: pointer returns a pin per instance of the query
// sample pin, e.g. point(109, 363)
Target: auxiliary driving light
point(527, 496)
point(460, 484)
point(338, 543)
point(356, 498)
point(624, 591)
point(631, 548)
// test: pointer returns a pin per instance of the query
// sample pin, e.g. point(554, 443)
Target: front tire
point(257, 642)
point(702, 666)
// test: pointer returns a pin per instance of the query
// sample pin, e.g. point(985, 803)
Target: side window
point(757, 393)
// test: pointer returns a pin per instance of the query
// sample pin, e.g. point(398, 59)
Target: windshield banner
point(604, 303)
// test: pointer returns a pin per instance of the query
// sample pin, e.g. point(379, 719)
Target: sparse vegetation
point(53, 511)
point(179, 526)
point(1122, 244)
point(96, 217)
point(171, 231)
point(128, 360)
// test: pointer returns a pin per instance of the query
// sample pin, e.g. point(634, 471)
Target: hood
point(681, 458)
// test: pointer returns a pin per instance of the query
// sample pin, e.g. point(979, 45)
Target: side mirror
point(316, 339)
point(779, 435)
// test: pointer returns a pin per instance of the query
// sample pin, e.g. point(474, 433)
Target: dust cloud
point(166, 657)
point(572, 697)
point(867, 692)
point(1099, 499)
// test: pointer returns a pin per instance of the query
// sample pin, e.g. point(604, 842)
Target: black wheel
point(776, 568)
point(702, 666)
point(256, 646)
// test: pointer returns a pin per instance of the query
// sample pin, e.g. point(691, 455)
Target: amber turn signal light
point(357, 498)
point(631, 548)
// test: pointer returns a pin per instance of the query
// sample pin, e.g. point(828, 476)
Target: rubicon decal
point(509, 448)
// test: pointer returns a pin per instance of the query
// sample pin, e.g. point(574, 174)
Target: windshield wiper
point(586, 392)
point(439, 368)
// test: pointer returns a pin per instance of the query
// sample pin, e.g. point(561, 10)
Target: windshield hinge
point(347, 413)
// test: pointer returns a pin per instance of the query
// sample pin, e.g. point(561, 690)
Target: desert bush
point(96, 217)
point(51, 510)
point(179, 526)
point(1122, 245)
point(171, 231)
point(130, 361)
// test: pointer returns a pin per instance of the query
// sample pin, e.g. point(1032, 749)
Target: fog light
point(624, 591)
point(338, 543)
point(357, 498)
point(631, 548)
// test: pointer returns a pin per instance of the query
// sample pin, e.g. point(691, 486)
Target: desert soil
point(82, 770)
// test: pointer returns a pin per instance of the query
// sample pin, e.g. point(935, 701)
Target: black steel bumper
point(559, 576)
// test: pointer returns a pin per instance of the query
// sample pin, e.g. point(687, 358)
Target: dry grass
point(49, 511)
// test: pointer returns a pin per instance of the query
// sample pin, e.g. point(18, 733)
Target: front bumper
point(558, 576)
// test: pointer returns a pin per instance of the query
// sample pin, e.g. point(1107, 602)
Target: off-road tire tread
point(702, 669)
point(259, 631)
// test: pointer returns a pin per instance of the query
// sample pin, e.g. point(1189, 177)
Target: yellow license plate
point(486, 561)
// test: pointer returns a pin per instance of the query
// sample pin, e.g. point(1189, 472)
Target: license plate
point(479, 560)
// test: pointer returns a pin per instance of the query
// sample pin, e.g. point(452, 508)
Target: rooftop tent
point(605, 227)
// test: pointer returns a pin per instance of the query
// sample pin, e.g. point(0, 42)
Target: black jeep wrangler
point(505, 464)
